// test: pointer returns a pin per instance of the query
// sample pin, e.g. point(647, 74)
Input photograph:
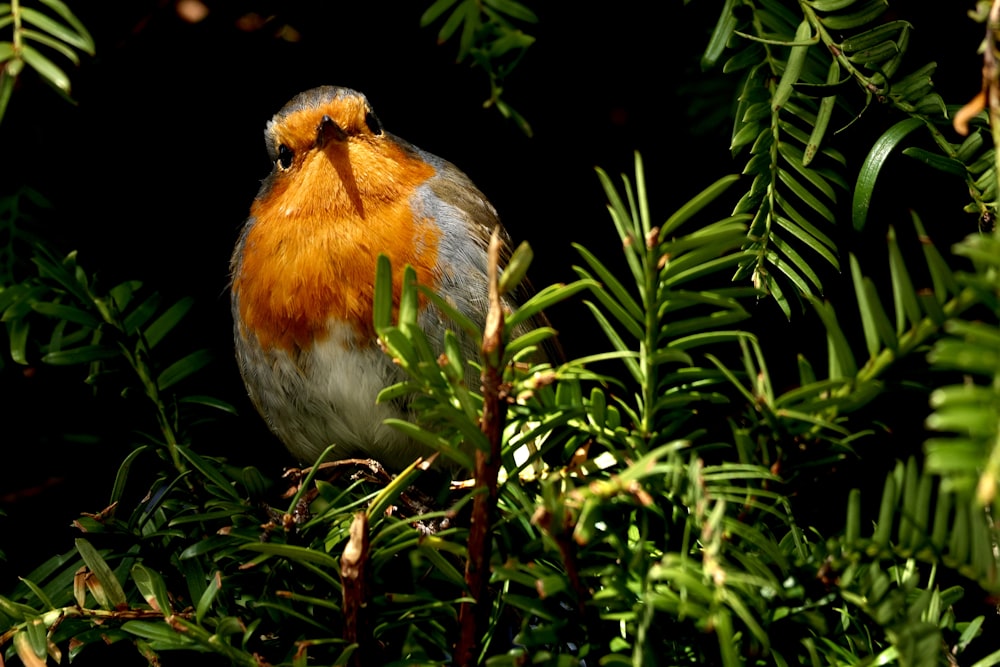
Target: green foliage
point(657, 503)
point(36, 35)
point(112, 333)
point(973, 160)
point(970, 453)
point(489, 36)
point(802, 66)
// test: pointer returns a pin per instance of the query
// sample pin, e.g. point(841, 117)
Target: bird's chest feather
point(309, 252)
point(325, 395)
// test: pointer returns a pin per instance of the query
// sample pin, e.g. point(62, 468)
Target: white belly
point(327, 397)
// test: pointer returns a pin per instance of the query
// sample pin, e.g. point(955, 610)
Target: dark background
point(151, 174)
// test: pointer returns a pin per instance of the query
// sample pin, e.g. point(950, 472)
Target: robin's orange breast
point(309, 255)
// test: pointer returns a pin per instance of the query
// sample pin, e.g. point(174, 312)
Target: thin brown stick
point(562, 536)
point(354, 575)
point(474, 617)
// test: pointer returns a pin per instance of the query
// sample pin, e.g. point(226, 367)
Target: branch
point(473, 617)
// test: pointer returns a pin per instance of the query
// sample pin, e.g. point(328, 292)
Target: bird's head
point(329, 150)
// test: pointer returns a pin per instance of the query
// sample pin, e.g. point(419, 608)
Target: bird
point(342, 190)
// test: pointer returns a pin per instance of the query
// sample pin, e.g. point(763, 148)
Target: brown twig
point(473, 617)
point(561, 533)
point(354, 575)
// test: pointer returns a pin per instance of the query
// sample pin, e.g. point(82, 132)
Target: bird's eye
point(285, 156)
point(374, 124)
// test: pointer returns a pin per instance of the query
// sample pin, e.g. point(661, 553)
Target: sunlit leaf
point(47, 69)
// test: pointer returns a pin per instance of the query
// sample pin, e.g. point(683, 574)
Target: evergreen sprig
point(654, 500)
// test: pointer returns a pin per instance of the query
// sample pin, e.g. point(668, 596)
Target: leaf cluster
point(36, 35)
point(491, 37)
point(801, 69)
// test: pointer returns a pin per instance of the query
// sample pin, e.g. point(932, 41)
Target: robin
point(342, 191)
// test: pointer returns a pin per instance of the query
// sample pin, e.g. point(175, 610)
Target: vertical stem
point(137, 358)
point(473, 618)
point(137, 361)
point(354, 575)
point(651, 331)
point(15, 13)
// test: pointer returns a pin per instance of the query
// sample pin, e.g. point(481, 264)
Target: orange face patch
point(310, 254)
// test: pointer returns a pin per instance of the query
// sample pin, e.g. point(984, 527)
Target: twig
point(354, 575)
point(473, 617)
point(561, 535)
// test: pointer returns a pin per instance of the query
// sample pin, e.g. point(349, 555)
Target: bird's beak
point(328, 130)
